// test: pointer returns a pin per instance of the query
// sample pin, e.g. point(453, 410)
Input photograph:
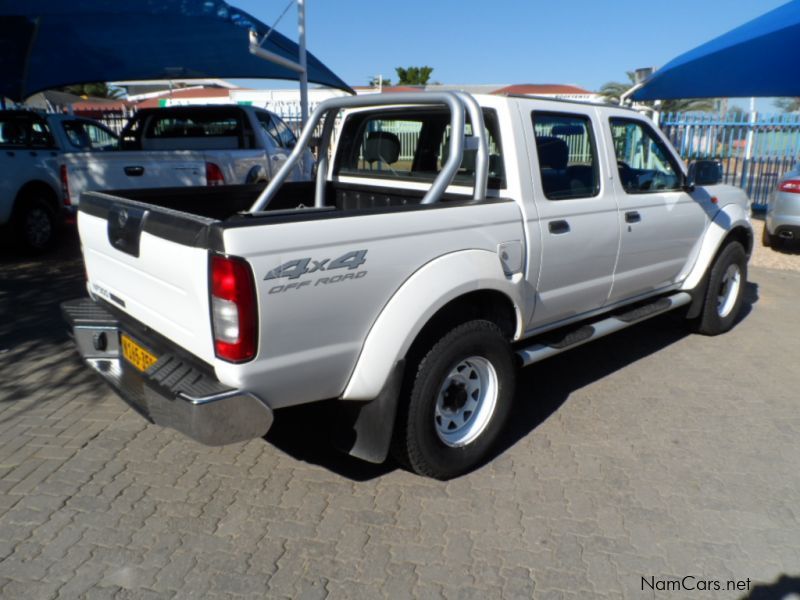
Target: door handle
point(558, 227)
point(134, 171)
point(632, 216)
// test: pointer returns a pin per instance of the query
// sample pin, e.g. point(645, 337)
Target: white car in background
point(33, 199)
point(783, 215)
point(183, 146)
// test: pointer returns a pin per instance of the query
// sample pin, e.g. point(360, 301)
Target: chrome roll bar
point(457, 102)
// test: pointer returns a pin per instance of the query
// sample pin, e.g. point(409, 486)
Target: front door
point(661, 224)
point(577, 214)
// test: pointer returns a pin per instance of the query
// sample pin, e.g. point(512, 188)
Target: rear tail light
point(65, 186)
point(214, 174)
point(233, 309)
point(790, 185)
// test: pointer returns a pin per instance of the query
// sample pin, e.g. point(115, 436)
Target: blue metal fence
point(755, 149)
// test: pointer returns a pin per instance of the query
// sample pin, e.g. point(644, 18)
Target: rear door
point(577, 213)
point(661, 224)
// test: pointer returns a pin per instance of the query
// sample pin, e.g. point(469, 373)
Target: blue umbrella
point(47, 44)
point(757, 59)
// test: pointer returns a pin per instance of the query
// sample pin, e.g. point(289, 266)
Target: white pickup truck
point(191, 146)
point(33, 199)
point(411, 279)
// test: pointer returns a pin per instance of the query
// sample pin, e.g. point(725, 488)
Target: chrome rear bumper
point(173, 392)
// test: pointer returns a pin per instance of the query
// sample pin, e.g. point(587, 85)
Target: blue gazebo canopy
point(47, 44)
point(760, 58)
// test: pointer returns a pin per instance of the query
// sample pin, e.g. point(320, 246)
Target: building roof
point(542, 89)
point(100, 104)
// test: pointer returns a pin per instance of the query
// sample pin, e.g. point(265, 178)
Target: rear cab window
point(204, 129)
point(567, 154)
point(411, 145)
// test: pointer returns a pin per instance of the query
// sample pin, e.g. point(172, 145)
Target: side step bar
point(547, 347)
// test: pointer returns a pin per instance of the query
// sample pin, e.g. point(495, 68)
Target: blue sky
point(583, 42)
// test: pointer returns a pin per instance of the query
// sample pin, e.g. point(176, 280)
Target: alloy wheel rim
point(466, 401)
point(729, 290)
point(38, 227)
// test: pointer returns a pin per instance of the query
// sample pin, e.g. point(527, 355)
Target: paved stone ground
point(647, 454)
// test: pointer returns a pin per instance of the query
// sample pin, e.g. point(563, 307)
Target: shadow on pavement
point(786, 247)
point(784, 588)
point(36, 356)
point(543, 387)
point(31, 290)
point(304, 433)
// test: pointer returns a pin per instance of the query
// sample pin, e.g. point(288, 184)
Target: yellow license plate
point(136, 355)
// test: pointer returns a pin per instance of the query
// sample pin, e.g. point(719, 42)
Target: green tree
point(612, 91)
point(413, 75)
point(94, 90)
point(788, 104)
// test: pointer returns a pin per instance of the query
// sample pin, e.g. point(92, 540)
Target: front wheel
point(725, 292)
point(459, 400)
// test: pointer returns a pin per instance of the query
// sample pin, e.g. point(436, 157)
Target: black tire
point(767, 239)
point(35, 224)
point(713, 320)
point(417, 441)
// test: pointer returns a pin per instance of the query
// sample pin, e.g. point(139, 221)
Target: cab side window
point(277, 130)
point(567, 155)
point(13, 132)
point(22, 130)
point(644, 163)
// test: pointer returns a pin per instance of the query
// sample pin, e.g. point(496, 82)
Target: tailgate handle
point(134, 171)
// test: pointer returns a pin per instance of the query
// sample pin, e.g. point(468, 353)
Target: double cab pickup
point(446, 241)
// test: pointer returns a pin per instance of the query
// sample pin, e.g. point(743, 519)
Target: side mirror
point(704, 172)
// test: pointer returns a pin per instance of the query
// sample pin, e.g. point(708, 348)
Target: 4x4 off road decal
point(294, 269)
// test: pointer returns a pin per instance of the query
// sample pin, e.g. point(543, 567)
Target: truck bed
point(224, 202)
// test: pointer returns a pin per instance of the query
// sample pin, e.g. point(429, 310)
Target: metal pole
point(748, 152)
point(301, 30)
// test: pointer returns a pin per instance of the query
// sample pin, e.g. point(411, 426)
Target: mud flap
point(364, 430)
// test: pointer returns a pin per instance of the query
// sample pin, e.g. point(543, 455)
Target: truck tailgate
point(97, 171)
point(151, 263)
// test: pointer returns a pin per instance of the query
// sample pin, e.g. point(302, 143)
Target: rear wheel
point(725, 292)
point(459, 397)
point(35, 224)
point(767, 239)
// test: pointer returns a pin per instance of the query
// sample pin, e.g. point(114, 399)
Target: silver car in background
point(783, 214)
